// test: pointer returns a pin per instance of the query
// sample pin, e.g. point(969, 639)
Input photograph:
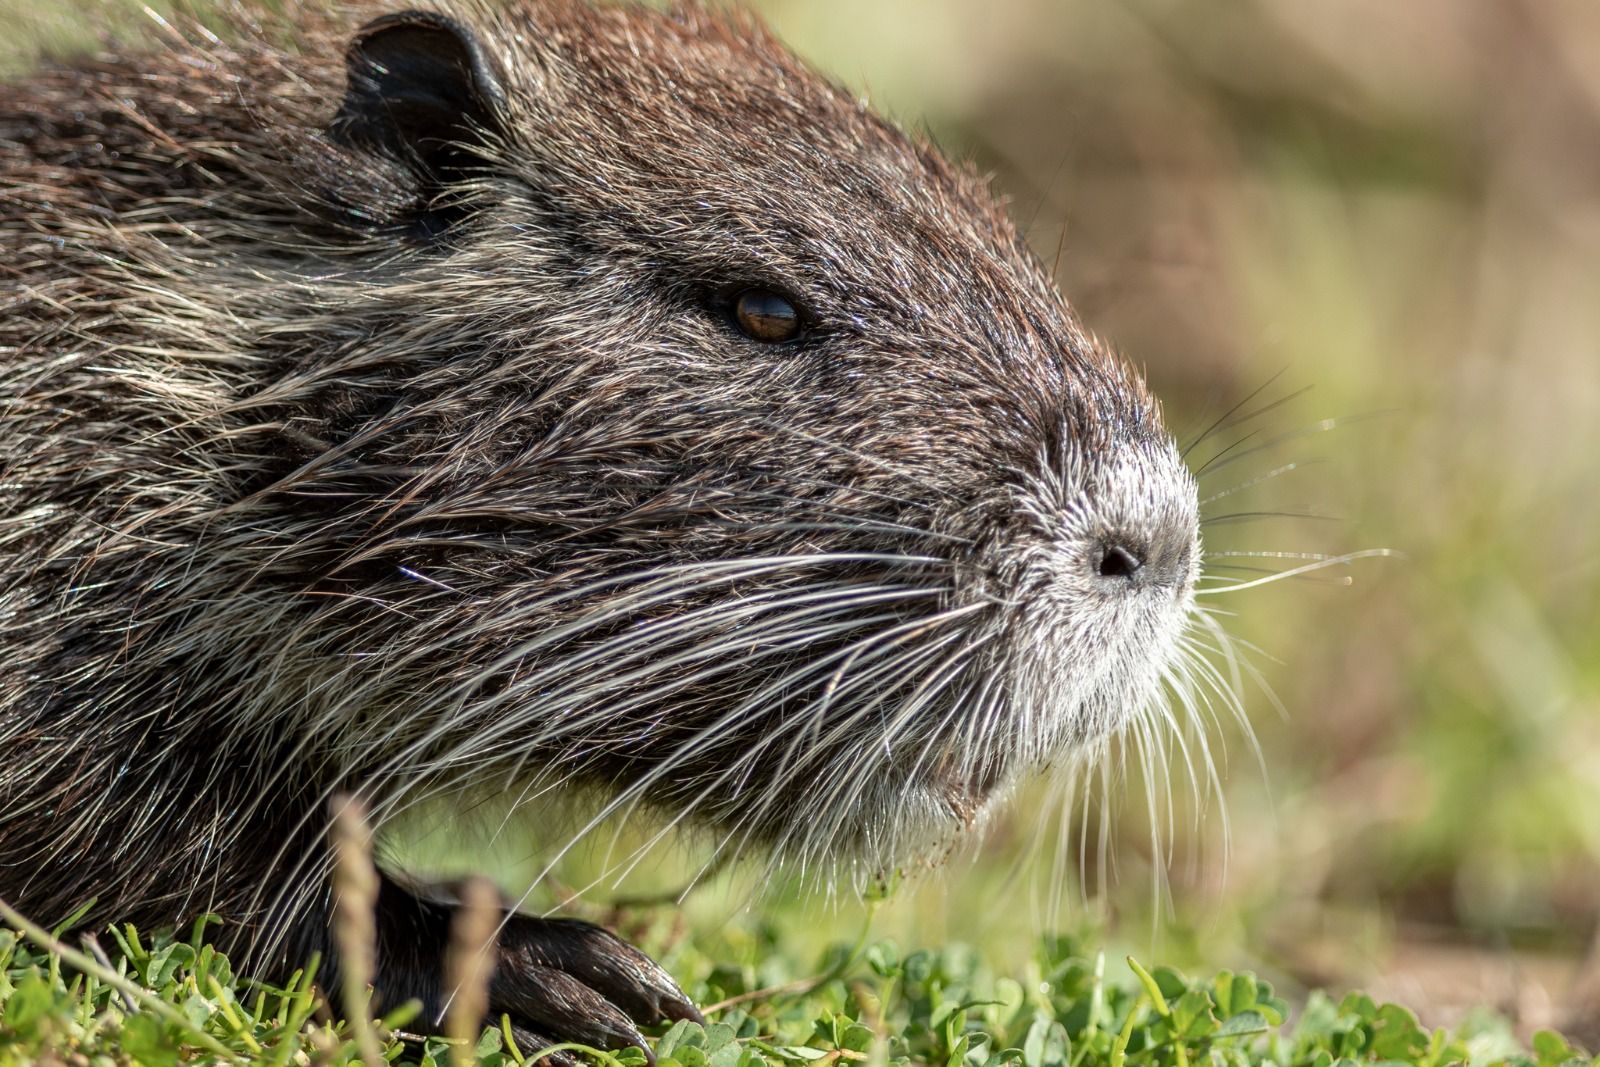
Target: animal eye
point(765, 316)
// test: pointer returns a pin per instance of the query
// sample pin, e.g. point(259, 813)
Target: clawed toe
point(583, 984)
point(559, 1004)
point(602, 961)
point(555, 980)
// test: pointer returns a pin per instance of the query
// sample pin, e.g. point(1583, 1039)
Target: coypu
point(542, 397)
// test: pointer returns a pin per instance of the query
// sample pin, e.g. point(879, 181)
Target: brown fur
point(322, 471)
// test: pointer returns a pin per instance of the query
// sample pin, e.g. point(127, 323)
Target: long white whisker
point(1332, 561)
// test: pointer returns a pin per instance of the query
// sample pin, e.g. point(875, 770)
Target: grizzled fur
point(339, 458)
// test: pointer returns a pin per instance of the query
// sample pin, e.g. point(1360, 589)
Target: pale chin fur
point(1084, 664)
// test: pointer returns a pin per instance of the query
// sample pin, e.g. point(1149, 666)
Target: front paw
point(561, 980)
point(557, 980)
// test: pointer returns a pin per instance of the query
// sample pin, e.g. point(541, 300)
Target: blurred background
point(1388, 216)
point(1376, 226)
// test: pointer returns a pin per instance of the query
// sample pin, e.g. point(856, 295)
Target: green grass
point(169, 1001)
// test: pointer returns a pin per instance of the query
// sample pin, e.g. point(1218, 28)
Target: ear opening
point(421, 89)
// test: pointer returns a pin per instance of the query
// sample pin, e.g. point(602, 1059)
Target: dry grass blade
point(355, 898)
point(470, 966)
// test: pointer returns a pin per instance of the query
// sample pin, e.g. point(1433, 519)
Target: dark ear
point(420, 89)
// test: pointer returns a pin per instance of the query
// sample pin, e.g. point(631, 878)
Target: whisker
point(1235, 517)
point(1333, 561)
point(1222, 420)
point(1228, 456)
point(1247, 569)
point(1251, 483)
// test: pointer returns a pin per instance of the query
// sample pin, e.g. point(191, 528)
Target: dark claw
point(561, 1004)
point(557, 980)
point(602, 961)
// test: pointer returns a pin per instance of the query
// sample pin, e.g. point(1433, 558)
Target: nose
point(1120, 559)
point(1132, 561)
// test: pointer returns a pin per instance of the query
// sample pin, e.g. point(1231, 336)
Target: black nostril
point(1118, 562)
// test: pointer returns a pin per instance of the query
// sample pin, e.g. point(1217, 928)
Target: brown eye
point(766, 316)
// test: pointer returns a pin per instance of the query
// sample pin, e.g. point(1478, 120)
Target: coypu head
point(678, 426)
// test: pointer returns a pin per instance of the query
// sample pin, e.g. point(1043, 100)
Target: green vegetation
point(173, 1001)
